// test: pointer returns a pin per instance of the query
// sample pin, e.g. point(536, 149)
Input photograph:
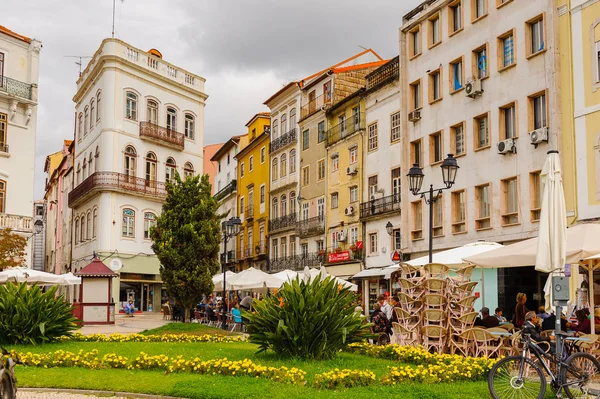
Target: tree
point(12, 249)
point(186, 240)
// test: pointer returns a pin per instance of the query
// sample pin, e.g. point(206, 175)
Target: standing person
point(395, 304)
point(520, 310)
point(385, 307)
point(381, 323)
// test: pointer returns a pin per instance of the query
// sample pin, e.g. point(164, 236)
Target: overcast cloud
point(245, 49)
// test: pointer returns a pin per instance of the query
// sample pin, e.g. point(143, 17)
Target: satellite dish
point(116, 264)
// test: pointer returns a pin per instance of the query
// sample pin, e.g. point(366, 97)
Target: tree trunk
point(186, 315)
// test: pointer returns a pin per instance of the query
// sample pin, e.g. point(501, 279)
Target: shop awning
point(380, 272)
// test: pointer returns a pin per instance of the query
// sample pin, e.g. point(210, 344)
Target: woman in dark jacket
point(520, 310)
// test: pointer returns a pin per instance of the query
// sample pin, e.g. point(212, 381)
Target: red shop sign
point(338, 256)
point(359, 245)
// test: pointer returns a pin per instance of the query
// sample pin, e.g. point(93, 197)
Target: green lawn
point(187, 328)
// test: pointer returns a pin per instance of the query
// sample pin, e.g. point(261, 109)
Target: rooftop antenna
point(113, 20)
point(362, 47)
point(80, 62)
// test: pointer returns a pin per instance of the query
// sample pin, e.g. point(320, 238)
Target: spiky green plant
point(306, 320)
point(30, 316)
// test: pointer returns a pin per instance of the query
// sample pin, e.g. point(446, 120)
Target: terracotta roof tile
point(9, 32)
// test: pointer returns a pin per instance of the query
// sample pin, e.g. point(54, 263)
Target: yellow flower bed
point(344, 378)
point(78, 337)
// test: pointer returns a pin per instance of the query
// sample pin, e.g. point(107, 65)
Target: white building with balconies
point(19, 67)
point(139, 121)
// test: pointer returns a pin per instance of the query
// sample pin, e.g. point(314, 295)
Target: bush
point(30, 316)
point(306, 320)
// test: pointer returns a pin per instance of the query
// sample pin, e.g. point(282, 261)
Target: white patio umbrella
point(251, 279)
point(454, 257)
point(30, 276)
point(286, 275)
point(71, 279)
point(218, 280)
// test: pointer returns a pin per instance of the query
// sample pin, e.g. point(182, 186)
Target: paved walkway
point(43, 393)
point(60, 395)
point(127, 325)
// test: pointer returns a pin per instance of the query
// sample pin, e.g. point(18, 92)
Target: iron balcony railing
point(380, 206)
point(118, 182)
point(344, 129)
point(228, 189)
point(316, 104)
point(162, 135)
point(283, 222)
point(16, 222)
point(354, 253)
point(260, 248)
point(296, 262)
point(15, 87)
point(384, 74)
point(249, 213)
point(285, 140)
point(230, 257)
point(311, 227)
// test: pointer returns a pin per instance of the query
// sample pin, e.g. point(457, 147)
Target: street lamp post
point(230, 228)
point(415, 179)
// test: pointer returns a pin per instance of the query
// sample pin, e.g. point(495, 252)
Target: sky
point(245, 49)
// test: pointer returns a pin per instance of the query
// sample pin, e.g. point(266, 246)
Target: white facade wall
point(226, 168)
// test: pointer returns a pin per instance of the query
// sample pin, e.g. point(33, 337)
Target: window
point(95, 223)
point(275, 130)
point(435, 85)
point(275, 249)
point(415, 41)
point(342, 124)
point(242, 169)
point(321, 169)
point(438, 217)
point(292, 121)
point(335, 162)
point(372, 186)
point(274, 169)
point(353, 154)
point(131, 106)
point(356, 118)
point(98, 98)
point(293, 203)
point(78, 173)
point(284, 124)
point(304, 249)
point(306, 175)
point(283, 242)
point(373, 243)
point(130, 156)
point(171, 118)
point(481, 132)
point(537, 110)
point(500, 3)
point(149, 222)
point(292, 246)
point(2, 196)
point(82, 232)
point(283, 203)
point(416, 154)
point(320, 245)
point(92, 109)
point(459, 215)
point(189, 127)
point(128, 223)
point(90, 163)
point(150, 168)
point(321, 208)
point(353, 235)
point(458, 74)
point(263, 155)
point(535, 192)
point(354, 194)
point(242, 206)
point(188, 171)
point(170, 169)
point(417, 220)
point(251, 163)
point(84, 168)
point(479, 65)
point(508, 121)
point(334, 200)
point(397, 237)
point(97, 156)
point(292, 161)
point(434, 30)
point(415, 94)
point(275, 208)
point(436, 149)
point(457, 143)
point(395, 127)
point(535, 35)
point(86, 121)
point(327, 91)
point(373, 139)
point(510, 193)
point(262, 193)
point(456, 17)
point(3, 132)
point(483, 201)
point(478, 9)
point(76, 231)
point(283, 165)
point(229, 157)
point(321, 130)
point(152, 112)
point(334, 240)
point(305, 139)
point(396, 184)
point(506, 50)
point(80, 130)
point(305, 211)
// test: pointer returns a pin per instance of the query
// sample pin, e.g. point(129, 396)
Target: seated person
point(597, 318)
point(583, 326)
point(531, 327)
point(549, 323)
point(210, 312)
point(381, 324)
point(498, 314)
point(542, 313)
point(488, 321)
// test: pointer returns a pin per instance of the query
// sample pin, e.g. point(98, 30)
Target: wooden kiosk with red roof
point(96, 305)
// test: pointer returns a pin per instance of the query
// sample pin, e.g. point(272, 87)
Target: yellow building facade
point(579, 24)
point(253, 195)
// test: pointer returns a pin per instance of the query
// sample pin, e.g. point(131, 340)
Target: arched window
point(292, 202)
point(275, 129)
point(274, 169)
point(97, 156)
point(86, 121)
point(80, 128)
point(283, 205)
point(188, 170)
point(150, 168)
point(2, 196)
point(149, 221)
point(283, 166)
point(131, 106)
point(292, 161)
point(95, 223)
point(88, 233)
point(82, 229)
point(128, 223)
point(275, 208)
point(84, 168)
point(283, 124)
point(98, 97)
point(152, 112)
point(292, 118)
point(171, 118)
point(92, 109)
point(91, 164)
point(76, 231)
point(190, 126)
point(170, 169)
point(78, 179)
point(130, 156)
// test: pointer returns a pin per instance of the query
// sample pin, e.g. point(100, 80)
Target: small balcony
point(260, 249)
point(249, 212)
point(228, 189)
point(380, 206)
point(230, 258)
point(162, 135)
point(111, 181)
point(282, 223)
point(384, 74)
point(311, 227)
point(315, 104)
point(17, 223)
point(347, 253)
point(15, 88)
point(346, 128)
point(296, 262)
point(283, 141)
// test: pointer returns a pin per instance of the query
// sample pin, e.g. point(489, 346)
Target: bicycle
point(520, 377)
point(8, 381)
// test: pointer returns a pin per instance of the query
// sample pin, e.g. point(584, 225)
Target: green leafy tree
point(12, 249)
point(186, 240)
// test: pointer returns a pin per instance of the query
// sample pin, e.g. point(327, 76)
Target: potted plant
point(353, 247)
point(321, 252)
point(338, 249)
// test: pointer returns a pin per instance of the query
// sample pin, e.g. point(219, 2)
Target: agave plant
point(30, 316)
point(307, 320)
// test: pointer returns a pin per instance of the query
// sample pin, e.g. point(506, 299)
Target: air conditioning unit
point(342, 236)
point(352, 170)
point(349, 211)
point(539, 136)
point(507, 146)
point(414, 116)
point(473, 88)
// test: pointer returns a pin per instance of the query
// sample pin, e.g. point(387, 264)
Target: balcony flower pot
point(338, 249)
point(353, 248)
point(321, 253)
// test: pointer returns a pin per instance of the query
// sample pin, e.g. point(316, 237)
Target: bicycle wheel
point(516, 377)
point(7, 390)
point(581, 376)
